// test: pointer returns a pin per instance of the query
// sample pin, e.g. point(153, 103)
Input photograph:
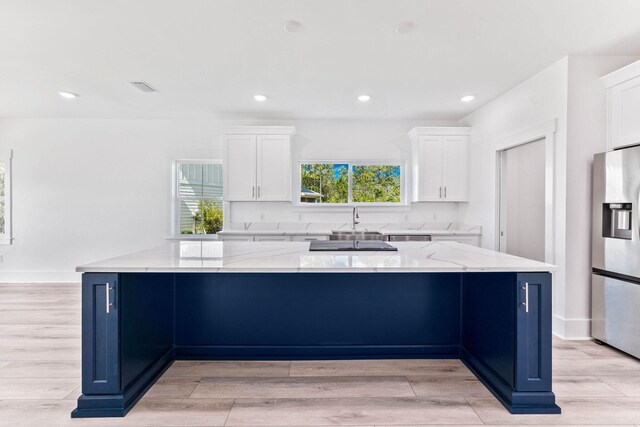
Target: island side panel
point(506, 338)
point(127, 325)
point(317, 315)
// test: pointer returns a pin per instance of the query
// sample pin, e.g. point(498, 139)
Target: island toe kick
point(134, 325)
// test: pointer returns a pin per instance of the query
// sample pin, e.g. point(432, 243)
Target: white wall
point(586, 136)
point(570, 93)
point(89, 189)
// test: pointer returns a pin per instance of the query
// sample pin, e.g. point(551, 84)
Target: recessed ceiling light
point(68, 95)
point(467, 98)
point(405, 27)
point(260, 98)
point(364, 98)
point(292, 26)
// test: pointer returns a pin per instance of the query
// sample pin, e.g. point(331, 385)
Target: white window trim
point(6, 156)
point(175, 202)
point(403, 187)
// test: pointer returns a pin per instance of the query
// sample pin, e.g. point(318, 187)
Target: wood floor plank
point(354, 411)
point(583, 386)
point(399, 367)
point(303, 387)
point(52, 332)
point(228, 368)
point(41, 369)
point(630, 386)
point(430, 386)
point(172, 388)
point(37, 388)
point(575, 411)
point(596, 366)
point(39, 353)
point(32, 413)
point(179, 412)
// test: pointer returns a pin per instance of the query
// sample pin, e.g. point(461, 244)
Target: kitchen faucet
point(355, 215)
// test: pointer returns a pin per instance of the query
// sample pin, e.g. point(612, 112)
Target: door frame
point(545, 131)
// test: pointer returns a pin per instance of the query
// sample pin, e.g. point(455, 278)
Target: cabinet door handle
point(445, 192)
point(253, 191)
point(440, 191)
point(108, 299)
point(258, 191)
point(526, 297)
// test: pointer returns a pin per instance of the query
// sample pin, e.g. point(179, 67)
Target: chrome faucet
point(355, 215)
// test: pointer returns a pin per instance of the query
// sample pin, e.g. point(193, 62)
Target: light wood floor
point(40, 379)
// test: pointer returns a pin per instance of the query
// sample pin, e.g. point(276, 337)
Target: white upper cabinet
point(440, 171)
point(257, 163)
point(239, 167)
point(623, 106)
point(273, 167)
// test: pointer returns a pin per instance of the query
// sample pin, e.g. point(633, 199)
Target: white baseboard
point(571, 329)
point(34, 276)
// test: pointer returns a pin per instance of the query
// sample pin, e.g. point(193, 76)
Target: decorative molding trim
point(622, 75)
point(423, 131)
point(545, 130)
point(259, 130)
point(571, 329)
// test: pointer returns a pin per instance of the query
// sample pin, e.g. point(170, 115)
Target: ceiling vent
point(144, 86)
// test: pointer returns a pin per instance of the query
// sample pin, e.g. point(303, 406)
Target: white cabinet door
point(468, 240)
point(240, 167)
point(263, 238)
point(430, 168)
point(273, 168)
point(455, 168)
point(308, 238)
point(239, 238)
point(625, 113)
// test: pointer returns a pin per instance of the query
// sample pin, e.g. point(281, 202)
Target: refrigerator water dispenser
point(616, 220)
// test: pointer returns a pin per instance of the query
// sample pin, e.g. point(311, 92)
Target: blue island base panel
point(136, 324)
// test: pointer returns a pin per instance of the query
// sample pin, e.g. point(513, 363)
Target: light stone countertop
point(266, 257)
point(313, 229)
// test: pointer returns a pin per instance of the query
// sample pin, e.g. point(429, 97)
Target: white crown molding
point(622, 75)
point(439, 130)
point(260, 130)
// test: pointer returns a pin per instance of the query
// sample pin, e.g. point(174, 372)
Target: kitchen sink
point(356, 235)
point(353, 245)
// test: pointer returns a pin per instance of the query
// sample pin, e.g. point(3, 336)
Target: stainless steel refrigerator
point(616, 249)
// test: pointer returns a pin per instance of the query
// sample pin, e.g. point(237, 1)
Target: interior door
point(430, 161)
point(274, 168)
point(455, 164)
point(240, 168)
point(522, 203)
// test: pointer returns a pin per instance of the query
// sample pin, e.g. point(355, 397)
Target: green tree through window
point(329, 183)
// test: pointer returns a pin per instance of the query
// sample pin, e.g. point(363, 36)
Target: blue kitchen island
point(231, 300)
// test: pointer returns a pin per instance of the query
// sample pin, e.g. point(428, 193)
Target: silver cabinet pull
point(445, 192)
point(258, 191)
point(526, 297)
point(253, 191)
point(108, 289)
point(440, 191)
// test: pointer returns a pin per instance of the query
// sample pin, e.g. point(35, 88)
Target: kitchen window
point(198, 197)
point(5, 196)
point(335, 183)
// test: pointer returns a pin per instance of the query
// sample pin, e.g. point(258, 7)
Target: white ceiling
point(209, 57)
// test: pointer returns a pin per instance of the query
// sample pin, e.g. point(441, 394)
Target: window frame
point(350, 163)
point(6, 156)
point(176, 199)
